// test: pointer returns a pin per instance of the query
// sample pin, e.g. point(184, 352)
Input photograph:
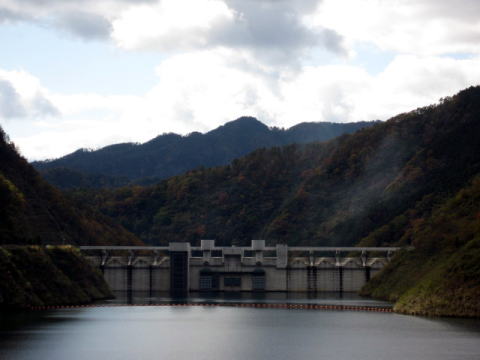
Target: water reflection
point(334, 298)
point(218, 333)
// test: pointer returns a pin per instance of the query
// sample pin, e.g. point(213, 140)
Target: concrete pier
point(181, 267)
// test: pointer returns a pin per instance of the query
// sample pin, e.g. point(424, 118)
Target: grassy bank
point(37, 276)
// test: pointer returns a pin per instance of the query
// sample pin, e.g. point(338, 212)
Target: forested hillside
point(442, 275)
point(413, 180)
point(33, 276)
point(34, 212)
point(359, 186)
point(170, 154)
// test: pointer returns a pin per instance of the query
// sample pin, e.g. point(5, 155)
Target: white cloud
point(228, 58)
point(275, 31)
point(87, 18)
point(425, 27)
point(169, 24)
point(200, 91)
point(412, 81)
point(22, 96)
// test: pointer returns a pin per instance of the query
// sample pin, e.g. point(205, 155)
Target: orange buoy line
point(290, 306)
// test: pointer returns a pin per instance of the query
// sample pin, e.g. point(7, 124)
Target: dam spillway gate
point(181, 267)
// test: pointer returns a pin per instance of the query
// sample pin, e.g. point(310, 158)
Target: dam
point(181, 267)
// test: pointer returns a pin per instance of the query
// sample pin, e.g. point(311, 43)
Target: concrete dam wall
point(182, 268)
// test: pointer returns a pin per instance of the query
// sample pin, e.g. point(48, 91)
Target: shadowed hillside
point(56, 275)
point(34, 212)
point(170, 154)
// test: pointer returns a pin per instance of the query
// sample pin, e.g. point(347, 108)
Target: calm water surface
point(216, 333)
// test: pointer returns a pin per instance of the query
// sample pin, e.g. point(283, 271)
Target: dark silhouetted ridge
point(170, 154)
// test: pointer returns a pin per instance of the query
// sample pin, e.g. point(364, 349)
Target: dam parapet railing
point(180, 267)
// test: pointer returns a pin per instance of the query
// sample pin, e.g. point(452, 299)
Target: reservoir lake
point(125, 332)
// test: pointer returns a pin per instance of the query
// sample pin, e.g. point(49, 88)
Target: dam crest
point(180, 267)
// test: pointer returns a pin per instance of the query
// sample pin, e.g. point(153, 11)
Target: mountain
point(170, 154)
point(333, 193)
point(65, 178)
point(34, 212)
point(412, 180)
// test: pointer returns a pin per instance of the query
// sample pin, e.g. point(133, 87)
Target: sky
point(88, 73)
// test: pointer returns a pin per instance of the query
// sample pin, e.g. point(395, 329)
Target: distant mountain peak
point(244, 123)
point(245, 120)
point(172, 154)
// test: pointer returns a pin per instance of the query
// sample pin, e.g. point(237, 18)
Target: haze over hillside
point(413, 180)
point(332, 193)
point(171, 154)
